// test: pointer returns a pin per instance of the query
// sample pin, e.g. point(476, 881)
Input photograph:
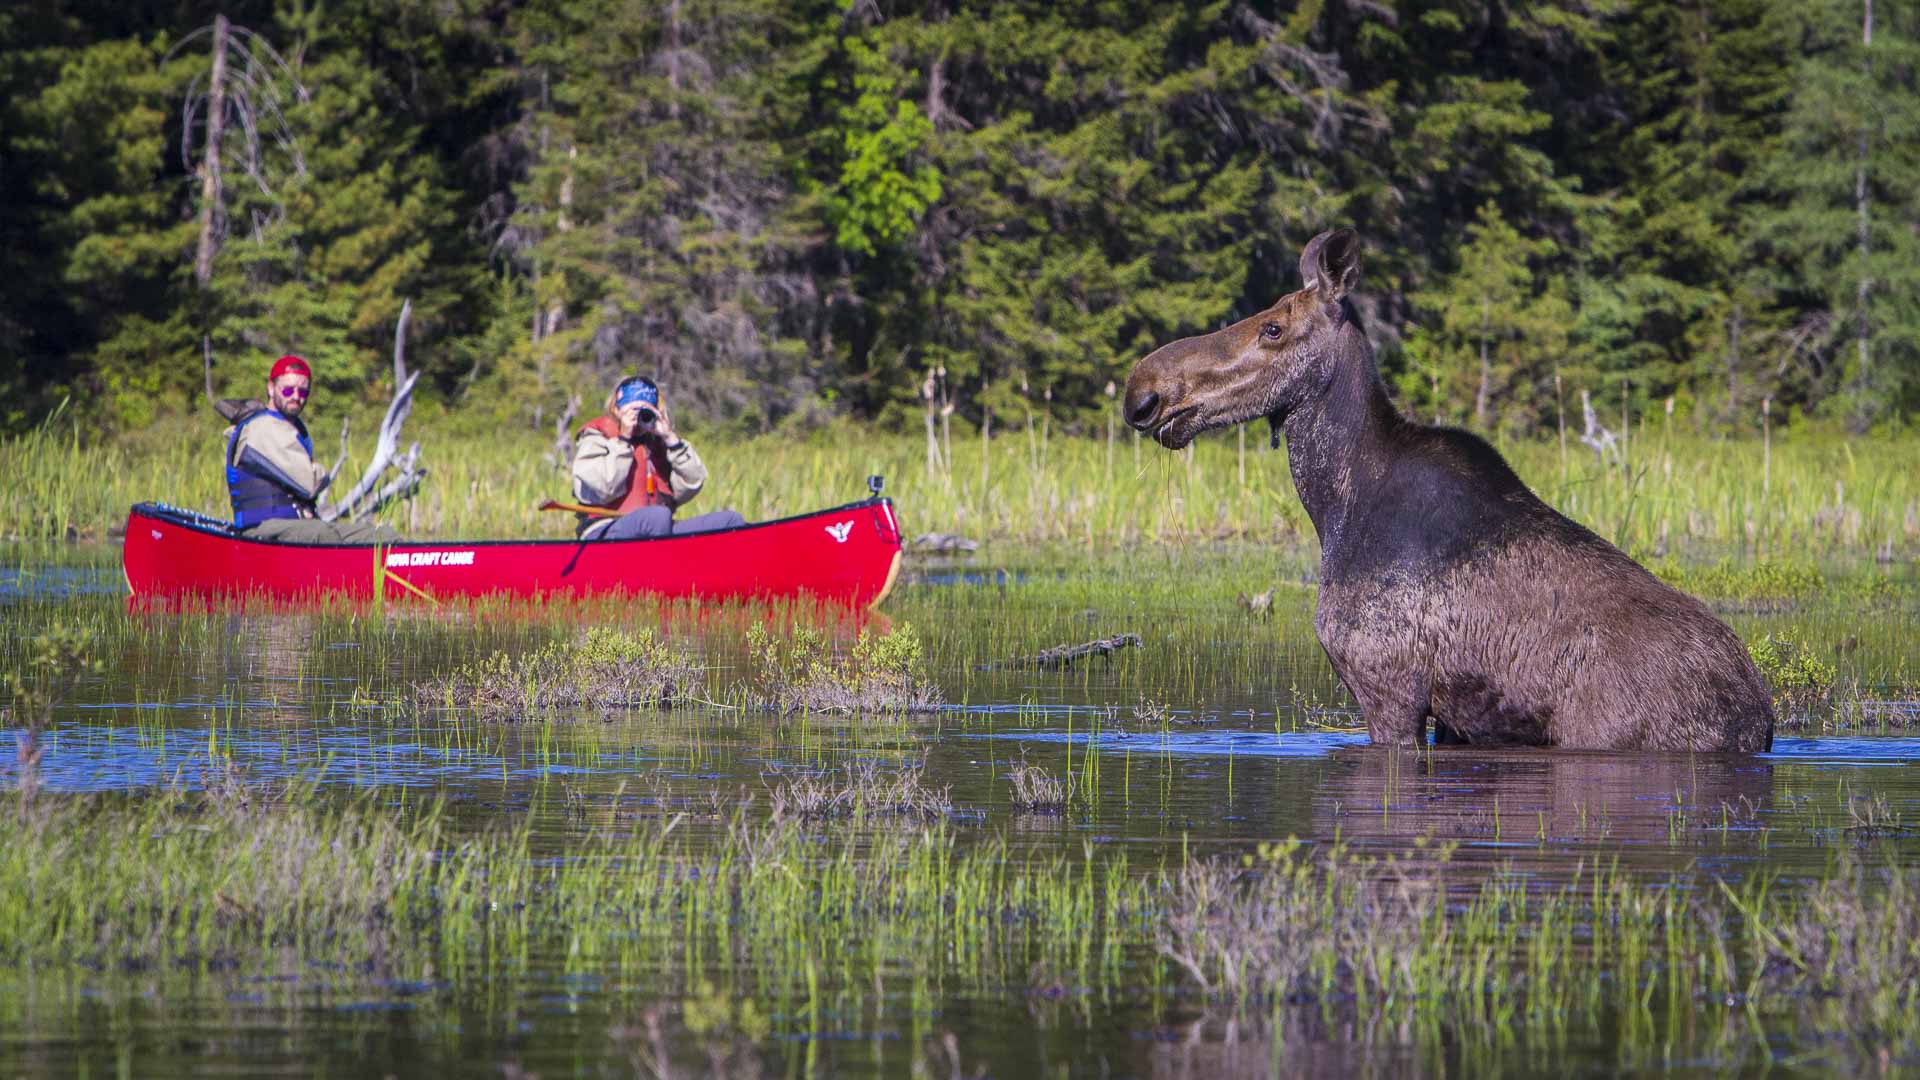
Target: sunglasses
point(295, 391)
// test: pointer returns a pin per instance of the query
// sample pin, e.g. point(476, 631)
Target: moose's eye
point(1270, 331)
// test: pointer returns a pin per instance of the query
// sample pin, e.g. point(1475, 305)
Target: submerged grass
point(211, 883)
point(861, 790)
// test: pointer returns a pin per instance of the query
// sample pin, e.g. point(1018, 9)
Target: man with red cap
point(272, 479)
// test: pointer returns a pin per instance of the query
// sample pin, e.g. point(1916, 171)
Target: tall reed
point(1806, 496)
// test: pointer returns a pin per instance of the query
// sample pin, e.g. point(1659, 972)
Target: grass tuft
point(604, 669)
point(862, 790)
point(1036, 791)
point(882, 673)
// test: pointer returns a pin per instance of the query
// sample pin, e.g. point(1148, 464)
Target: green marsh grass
point(1203, 657)
point(1824, 496)
point(600, 670)
point(801, 916)
point(866, 910)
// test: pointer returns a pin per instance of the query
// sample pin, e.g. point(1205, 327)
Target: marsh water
point(1222, 730)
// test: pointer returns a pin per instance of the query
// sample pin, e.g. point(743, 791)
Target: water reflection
point(1548, 810)
point(53, 582)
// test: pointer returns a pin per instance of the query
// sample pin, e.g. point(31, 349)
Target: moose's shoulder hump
point(1467, 455)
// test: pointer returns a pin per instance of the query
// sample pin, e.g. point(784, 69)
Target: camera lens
point(646, 416)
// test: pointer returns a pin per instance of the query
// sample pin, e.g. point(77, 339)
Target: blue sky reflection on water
point(85, 757)
point(95, 759)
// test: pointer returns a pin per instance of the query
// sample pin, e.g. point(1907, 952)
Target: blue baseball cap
point(635, 389)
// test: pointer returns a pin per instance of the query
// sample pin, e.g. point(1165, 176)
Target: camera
point(645, 417)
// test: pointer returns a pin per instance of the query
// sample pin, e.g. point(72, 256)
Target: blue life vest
point(256, 495)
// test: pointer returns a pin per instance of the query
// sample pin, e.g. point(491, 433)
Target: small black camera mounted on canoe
point(875, 483)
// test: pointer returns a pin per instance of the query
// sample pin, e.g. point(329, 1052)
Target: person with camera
point(632, 461)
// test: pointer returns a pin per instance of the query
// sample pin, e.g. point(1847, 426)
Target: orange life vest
point(657, 490)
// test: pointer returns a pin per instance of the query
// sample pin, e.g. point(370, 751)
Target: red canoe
point(848, 554)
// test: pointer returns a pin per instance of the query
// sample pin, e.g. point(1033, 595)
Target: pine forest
point(795, 212)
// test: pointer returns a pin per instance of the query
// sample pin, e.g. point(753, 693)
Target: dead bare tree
point(241, 90)
point(363, 499)
point(562, 452)
point(1596, 436)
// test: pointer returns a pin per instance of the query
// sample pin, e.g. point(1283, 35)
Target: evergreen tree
point(1662, 296)
point(1500, 336)
point(1841, 233)
point(789, 210)
point(328, 257)
point(648, 232)
point(127, 246)
point(37, 327)
point(1098, 197)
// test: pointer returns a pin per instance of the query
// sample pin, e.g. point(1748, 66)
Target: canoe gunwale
point(180, 519)
point(781, 557)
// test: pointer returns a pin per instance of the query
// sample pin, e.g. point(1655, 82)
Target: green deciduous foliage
point(884, 186)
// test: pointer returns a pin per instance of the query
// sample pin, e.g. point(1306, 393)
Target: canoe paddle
point(575, 508)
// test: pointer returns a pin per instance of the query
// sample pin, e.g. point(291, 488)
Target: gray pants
point(652, 521)
point(315, 531)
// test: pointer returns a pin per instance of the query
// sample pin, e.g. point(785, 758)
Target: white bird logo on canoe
point(839, 531)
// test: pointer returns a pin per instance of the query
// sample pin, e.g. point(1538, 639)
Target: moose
point(1449, 591)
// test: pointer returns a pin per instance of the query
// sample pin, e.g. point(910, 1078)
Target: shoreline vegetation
point(1669, 495)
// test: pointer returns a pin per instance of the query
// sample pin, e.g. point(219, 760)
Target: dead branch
point(404, 485)
point(240, 90)
point(339, 462)
point(562, 452)
point(364, 498)
point(942, 543)
point(1061, 656)
point(206, 353)
point(1596, 435)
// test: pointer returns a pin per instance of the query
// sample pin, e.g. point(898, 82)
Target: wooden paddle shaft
point(576, 508)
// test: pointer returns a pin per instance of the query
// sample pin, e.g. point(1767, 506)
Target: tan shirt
point(603, 467)
point(274, 438)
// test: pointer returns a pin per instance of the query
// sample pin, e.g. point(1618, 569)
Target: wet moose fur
point(1447, 589)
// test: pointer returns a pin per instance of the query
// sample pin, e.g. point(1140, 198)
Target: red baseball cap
point(289, 365)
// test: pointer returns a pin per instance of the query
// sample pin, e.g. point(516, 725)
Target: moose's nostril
point(1140, 410)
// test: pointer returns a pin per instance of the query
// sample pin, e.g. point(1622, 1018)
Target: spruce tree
point(1500, 335)
point(1841, 227)
point(648, 232)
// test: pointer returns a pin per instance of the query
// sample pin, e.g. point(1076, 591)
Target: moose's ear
point(1330, 264)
